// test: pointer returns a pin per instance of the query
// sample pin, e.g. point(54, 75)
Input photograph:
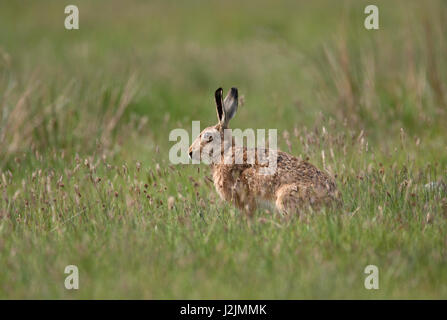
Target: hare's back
point(289, 170)
point(293, 170)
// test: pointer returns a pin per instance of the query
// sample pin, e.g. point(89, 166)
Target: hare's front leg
point(243, 199)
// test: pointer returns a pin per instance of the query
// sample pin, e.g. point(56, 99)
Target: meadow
point(85, 178)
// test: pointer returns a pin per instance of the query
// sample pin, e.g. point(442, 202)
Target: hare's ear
point(230, 106)
point(219, 104)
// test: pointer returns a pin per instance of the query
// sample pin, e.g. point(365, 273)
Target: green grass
point(85, 177)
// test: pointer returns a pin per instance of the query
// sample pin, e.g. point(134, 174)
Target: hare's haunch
point(293, 185)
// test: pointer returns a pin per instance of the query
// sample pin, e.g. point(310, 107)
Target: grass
point(85, 177)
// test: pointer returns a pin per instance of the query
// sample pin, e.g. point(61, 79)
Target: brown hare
point(294, 185)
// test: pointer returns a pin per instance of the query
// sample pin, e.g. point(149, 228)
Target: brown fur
point(293, 186)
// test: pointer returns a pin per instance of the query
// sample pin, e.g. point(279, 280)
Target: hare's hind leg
point(291, 198)
point(288, 199)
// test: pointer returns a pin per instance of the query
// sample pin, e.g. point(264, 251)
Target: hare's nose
point(190, 154)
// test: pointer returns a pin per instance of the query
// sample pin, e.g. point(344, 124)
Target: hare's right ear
point(219, 104)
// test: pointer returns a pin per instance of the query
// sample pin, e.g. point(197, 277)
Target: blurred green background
point(370, 106)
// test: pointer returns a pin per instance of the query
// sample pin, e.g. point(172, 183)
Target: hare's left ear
point(229, 106)
point(219, 104)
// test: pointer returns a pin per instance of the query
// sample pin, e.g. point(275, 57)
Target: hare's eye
point(207, 137)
